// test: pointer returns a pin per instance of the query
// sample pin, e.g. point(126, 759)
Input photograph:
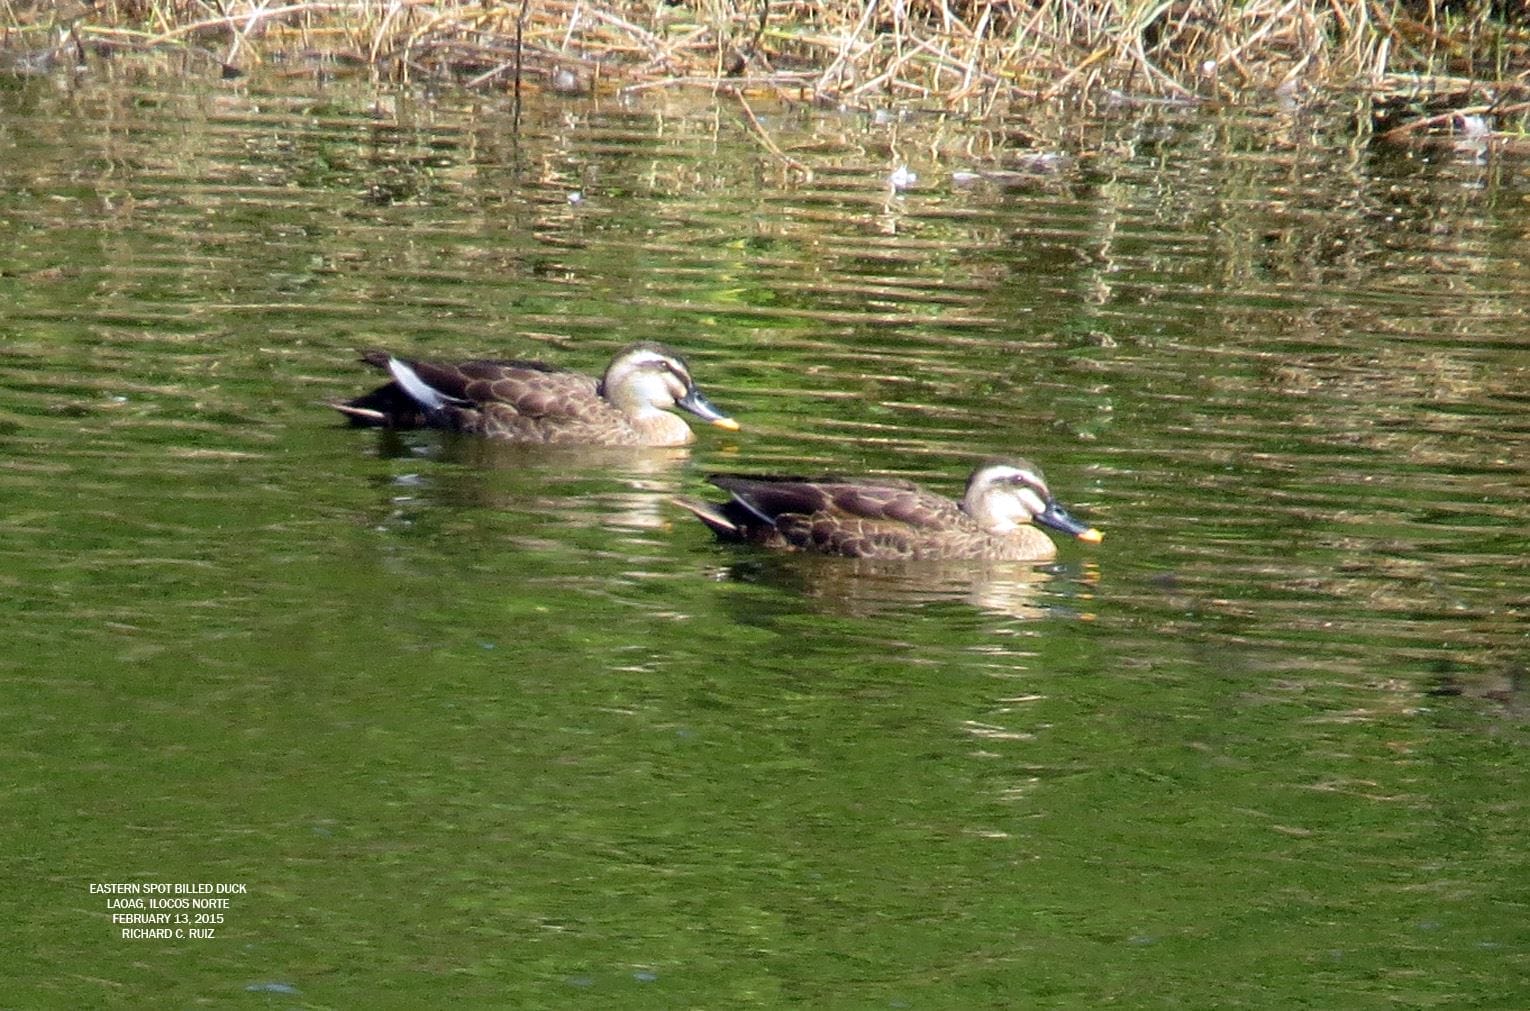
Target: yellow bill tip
point(1091, 536)
point(727, 423)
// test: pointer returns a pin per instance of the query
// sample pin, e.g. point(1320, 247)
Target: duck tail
point(359, 415)
point(712, 515)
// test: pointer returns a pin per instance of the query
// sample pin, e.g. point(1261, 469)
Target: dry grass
point(967, 56)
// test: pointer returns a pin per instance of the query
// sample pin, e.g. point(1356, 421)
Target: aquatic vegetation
point(1431, 62)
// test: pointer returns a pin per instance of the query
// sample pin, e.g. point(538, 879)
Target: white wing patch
point(419, 390)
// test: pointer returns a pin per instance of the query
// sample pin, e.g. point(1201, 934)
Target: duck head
point(1006, 494)
point(649, 377)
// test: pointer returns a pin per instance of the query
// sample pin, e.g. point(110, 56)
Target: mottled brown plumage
point(533, 402)
point(893, 519)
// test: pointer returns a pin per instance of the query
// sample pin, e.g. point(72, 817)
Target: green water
point(503, 727)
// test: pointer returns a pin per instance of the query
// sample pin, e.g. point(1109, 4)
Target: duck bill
point(1059, 519)
point(703, 409)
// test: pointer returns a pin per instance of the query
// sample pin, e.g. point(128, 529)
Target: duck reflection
point(621, 487)
point(1505, 684)
point(864, 587)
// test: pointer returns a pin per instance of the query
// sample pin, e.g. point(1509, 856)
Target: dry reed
point(967, 56)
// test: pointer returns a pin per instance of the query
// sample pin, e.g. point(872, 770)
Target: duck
point(534, 402)
point(998, 518)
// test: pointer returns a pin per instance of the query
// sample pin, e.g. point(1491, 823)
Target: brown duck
point(533, 402)
point(887, 518)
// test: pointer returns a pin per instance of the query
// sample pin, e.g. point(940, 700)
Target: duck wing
point(887, 500)
point(527, 388)
point(860, 517)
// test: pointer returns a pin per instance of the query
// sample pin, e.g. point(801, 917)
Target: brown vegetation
point(967, 56)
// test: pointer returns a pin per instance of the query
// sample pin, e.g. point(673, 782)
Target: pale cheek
point(1013, 512)
point(657, 392)
point(1030, 502)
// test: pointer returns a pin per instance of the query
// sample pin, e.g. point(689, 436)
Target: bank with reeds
point(969, 57)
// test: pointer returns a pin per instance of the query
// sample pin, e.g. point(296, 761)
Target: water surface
point(504, 726)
